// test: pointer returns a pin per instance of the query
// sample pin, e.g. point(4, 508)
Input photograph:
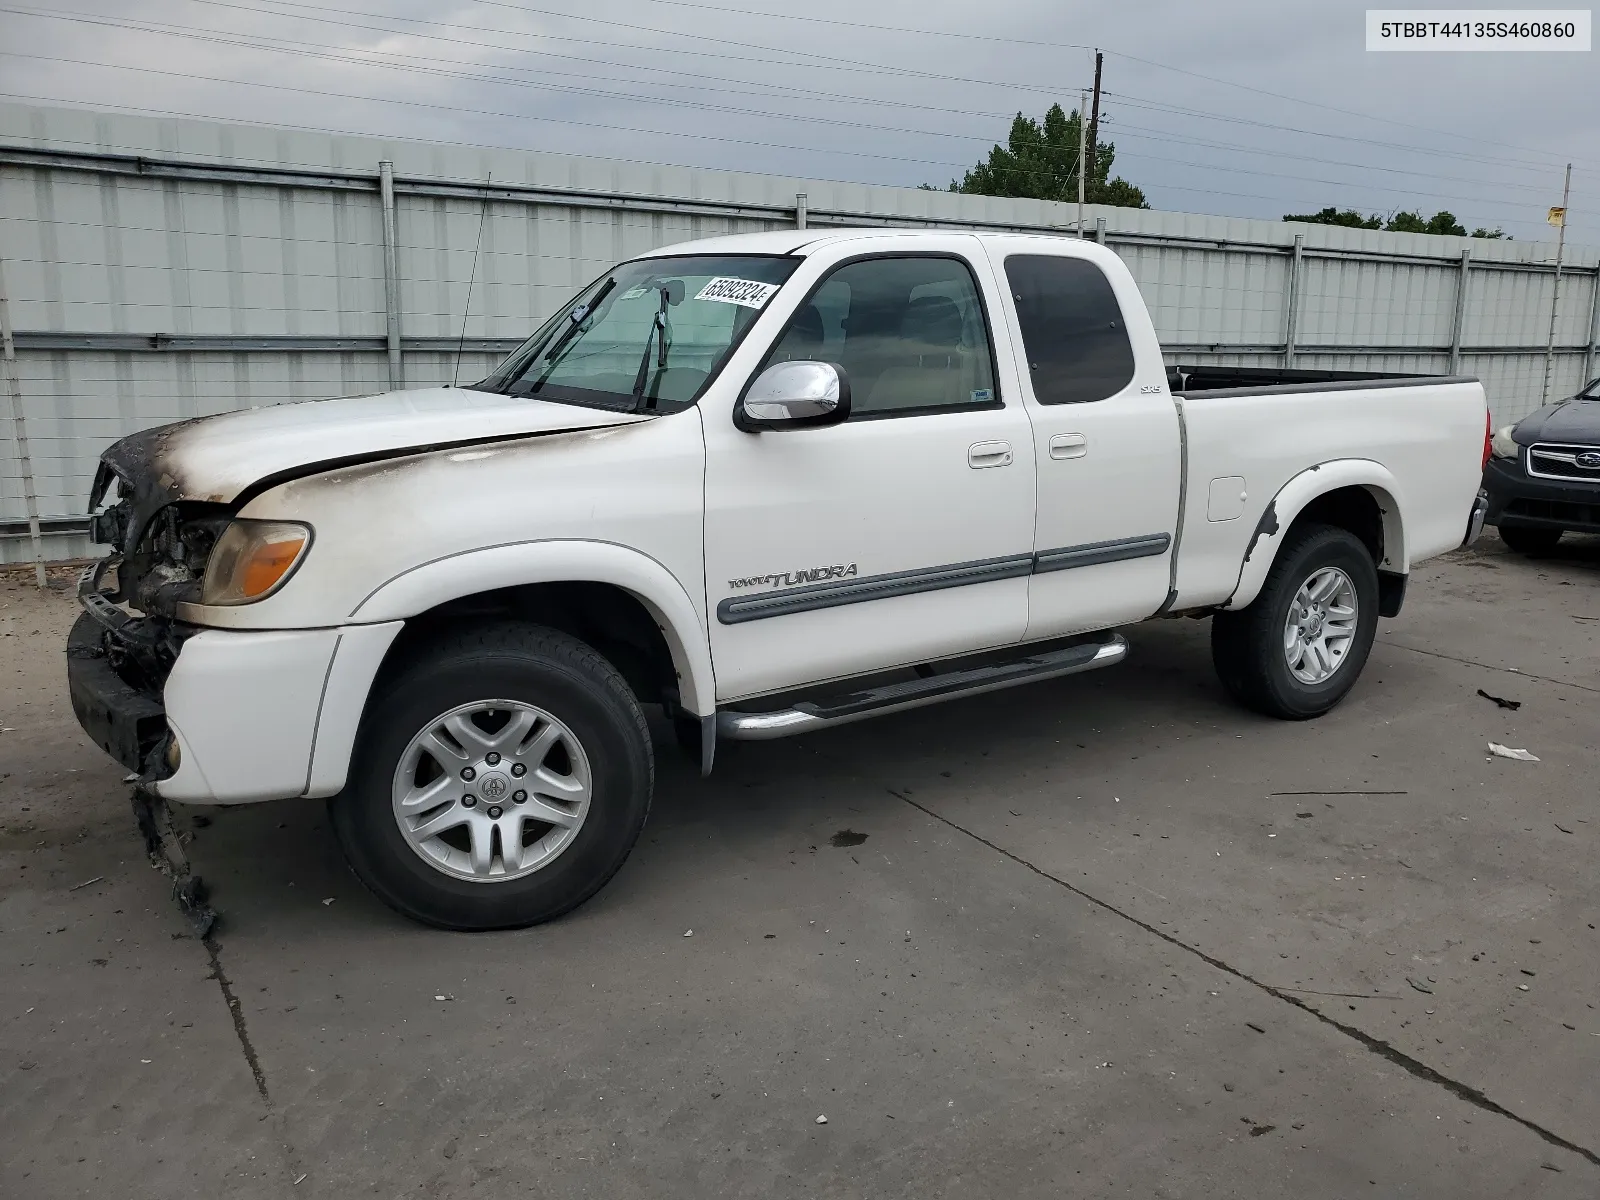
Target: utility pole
point(1555, 297)
point(1094, 116)
point(1083, 103)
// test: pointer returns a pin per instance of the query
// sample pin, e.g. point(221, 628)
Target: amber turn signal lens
point(252, 559)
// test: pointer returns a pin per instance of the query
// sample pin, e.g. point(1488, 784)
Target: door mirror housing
point(795, 395)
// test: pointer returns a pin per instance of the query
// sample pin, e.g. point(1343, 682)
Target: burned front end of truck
point(126, 640)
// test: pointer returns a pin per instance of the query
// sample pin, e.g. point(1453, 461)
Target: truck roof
point(805, 241)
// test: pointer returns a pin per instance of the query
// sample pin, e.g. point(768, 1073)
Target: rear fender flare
point(562, 561)
point(1300, 491)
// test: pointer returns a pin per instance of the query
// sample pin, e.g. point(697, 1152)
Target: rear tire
point(1532, 540)
point(462, 755)
point(1254, 649)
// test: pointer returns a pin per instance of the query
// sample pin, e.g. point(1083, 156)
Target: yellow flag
point(1558, 216)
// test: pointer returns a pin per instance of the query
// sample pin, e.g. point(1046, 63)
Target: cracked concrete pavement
point(1103, 936)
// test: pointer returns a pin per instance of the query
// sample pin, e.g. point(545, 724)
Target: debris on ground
point(445, 997)
point(78, 887)
point(1513, 705)
point(821, 1120)
point(1421, 987)
point(688, 933)
point(847, 837)
point(163, 844)
point(1561, 827)
point(1500, 751)
point(327, 901)
point(1270, 795)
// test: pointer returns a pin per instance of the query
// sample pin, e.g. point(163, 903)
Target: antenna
point(483, 214)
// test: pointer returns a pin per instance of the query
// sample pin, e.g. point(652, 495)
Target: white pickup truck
point(769, 483)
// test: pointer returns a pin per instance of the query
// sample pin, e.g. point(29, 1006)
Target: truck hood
point(227, 458)
point(1575, 421)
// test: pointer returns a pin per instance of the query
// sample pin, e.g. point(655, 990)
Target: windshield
point(1592, 392)
point(646, 336)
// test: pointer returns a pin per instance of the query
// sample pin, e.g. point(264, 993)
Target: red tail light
point(1488, 441)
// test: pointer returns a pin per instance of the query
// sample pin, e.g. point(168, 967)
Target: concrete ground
point(1100, 937)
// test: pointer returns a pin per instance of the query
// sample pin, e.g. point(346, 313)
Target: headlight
point(1501, 444)
point(252, 559)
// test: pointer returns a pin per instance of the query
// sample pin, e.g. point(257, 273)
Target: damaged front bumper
point(116, 666)
point(214, 716)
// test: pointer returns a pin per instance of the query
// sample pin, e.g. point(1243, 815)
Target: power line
point(832, 61)
point(325, 53)
point(899, 29)
point(1433, 195)
point(319, 50)
point(452, 108)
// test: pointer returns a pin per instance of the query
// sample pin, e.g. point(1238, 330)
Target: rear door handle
point(989, 454)
point(1069, 445)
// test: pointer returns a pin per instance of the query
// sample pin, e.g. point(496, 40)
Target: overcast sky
point(737, 84)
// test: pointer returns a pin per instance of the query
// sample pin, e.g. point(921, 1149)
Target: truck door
point(901, 535)
point(1105, 434)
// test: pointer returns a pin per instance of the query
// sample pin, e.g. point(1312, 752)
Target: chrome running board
point(805, 716)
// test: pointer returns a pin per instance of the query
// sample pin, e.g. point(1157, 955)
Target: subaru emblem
point(1589, 459)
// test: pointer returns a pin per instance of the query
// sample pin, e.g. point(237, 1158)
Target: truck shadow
point(276, 870)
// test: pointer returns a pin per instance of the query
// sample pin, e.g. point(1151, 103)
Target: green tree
point(1040, 162)
point(1441, 223)
point(1349, 218)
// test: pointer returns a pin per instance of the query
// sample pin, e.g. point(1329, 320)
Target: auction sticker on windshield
point(725, 289)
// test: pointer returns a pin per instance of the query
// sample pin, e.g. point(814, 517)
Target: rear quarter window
point(1073, 330)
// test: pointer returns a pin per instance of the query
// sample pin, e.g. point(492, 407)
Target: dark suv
point(1543, 475)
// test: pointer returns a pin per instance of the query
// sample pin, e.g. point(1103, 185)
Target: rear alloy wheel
point(499, 780)
point(1298, 648)
point(1530, 539)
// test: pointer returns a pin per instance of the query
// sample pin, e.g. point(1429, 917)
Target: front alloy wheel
point(492, 790)
point(501, 776)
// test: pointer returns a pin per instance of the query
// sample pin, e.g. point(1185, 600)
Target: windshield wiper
point(576, 318)
point(656, 340)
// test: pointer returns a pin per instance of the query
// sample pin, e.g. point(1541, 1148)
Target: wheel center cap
point(494, 786)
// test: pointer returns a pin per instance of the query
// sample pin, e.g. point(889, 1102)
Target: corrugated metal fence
point(163, 269)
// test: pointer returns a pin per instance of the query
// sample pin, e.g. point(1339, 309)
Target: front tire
point(1532, 540)
point(1298, 648)
point(499, 780)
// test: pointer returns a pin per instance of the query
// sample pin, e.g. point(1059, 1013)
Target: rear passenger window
point(1072, 328)
point(909, 332)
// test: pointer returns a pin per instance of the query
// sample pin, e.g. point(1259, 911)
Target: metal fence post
point(1100, 230)
point(1291, 314)
point(391, 275)
point(1458, 323)
point(800, 210)
point(19, 429)
point(1594, 330)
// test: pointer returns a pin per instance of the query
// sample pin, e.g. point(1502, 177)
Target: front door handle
point(989, 454)
point(1069, 445)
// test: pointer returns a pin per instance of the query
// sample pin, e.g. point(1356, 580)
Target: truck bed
point(1191, 380)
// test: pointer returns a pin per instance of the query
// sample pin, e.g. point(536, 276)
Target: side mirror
point(794, 395)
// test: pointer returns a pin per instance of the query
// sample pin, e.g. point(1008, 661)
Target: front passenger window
point(910, 333)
